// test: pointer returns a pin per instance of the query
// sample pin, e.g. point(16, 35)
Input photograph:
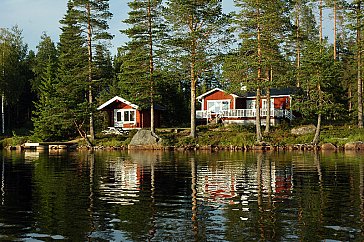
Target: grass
point(220, 135)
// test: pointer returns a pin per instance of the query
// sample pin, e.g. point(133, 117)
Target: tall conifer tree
point(199, 34)
point(145, 34)
point(71, 99)
point(262, 25)
point(93, 16)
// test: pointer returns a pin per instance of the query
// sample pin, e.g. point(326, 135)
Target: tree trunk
point(2, 114)
point(83, 134)
point(359, 79)
point(298, 45)
point(151, 69)
point(193, 89)
point(259, 75)
point(321, 16)
point(316, 139)
point(257, 117)
point(89, 48)
point(335, 34)
point(267, 124)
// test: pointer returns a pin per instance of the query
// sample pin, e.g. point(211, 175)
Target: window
point(250, 104)
point(216, 106)
point(129, 116)
point(118, 116)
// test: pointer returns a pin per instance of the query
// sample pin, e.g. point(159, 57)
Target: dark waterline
point(159, 196)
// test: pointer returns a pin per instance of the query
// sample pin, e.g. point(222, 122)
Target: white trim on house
point(214, 90)
point(221, 104)
point(118, 99)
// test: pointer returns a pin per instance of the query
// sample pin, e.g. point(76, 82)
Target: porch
point(244, 113)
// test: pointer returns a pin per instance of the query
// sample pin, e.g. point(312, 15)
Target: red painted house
point(232, 108)
point(126, 115)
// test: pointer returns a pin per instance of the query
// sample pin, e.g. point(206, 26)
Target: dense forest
point(176, 50)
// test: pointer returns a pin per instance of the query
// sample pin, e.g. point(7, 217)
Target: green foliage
point(320, 69)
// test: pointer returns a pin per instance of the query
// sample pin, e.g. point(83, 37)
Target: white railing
point(201, 114)
point(245, 113)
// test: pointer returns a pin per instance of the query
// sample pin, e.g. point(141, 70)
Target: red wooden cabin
point(126, 115)
point(232, 108)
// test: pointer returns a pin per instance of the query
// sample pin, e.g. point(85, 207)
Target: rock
point(328, 146)
point(144, 139)
point(306, 129)
point(358, 145)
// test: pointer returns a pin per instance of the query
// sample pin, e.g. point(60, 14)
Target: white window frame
point(220, 102)
point(264, 104)
point(124, 116)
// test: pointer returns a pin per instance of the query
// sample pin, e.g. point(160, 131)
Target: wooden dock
point(50, 145)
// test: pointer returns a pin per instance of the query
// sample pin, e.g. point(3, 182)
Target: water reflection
point(157, 196)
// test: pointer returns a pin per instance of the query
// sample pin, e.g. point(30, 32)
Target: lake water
point(159, 196)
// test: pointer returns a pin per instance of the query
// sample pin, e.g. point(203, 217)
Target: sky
point(37, 16)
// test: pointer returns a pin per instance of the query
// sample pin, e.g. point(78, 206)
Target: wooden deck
point(49, 145)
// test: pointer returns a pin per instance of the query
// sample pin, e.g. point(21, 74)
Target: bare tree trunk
point(359, 78)
point(335, 34)
point(298, 45)
point(316, 139)
point(82, 133)
point(89, 48)
point(151, 69)
point(321, 16)
point(193, 89)
point(267, 125)
point(267, 122)
point(2, 114)
point(259, 75)
point(193, 101)
point(257, 117)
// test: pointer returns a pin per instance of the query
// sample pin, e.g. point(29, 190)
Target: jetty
point(50, 146)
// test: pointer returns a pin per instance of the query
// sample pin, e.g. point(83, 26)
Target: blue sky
point(37, 16)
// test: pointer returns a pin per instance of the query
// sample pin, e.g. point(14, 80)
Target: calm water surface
point(157, 196)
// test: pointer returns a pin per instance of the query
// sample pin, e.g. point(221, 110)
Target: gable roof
point(274, 92)
point(116, 98)
point(214, 90)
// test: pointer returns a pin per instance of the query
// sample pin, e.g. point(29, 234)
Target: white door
point(118, 117)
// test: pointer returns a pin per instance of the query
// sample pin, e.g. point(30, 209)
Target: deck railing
point(245, 113)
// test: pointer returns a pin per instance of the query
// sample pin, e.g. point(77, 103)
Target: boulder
point(145, 139)
point(306, 129)
point(358, 145)
point(328, 146)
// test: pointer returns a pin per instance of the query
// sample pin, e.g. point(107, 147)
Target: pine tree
point(321, 89)
point(262, 26)
point(199, 34)
point(93, 16)
point(145, 34)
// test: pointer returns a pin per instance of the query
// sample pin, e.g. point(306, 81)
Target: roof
point(214, 90)
point(116, 98)
point(274, 92)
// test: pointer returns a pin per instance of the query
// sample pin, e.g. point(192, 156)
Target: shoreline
point(352, 146)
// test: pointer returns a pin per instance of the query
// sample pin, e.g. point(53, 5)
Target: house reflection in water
point(122, 183)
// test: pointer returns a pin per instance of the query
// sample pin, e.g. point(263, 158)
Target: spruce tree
point(72, 88)
point(46, 57)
